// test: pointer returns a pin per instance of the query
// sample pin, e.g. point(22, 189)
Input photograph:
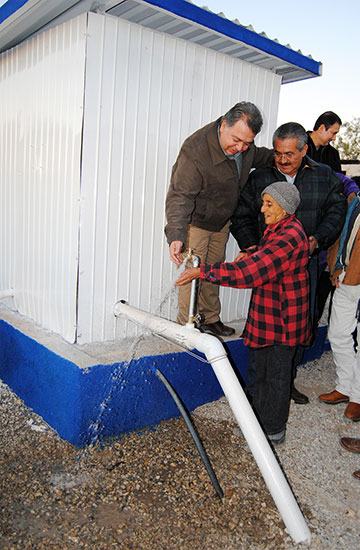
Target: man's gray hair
point(246, 111)
point(292, 130)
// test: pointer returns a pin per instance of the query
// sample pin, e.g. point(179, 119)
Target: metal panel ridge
point(228, 28)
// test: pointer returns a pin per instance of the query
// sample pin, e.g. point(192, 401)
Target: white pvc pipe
point(215, 353)
point(194, 283)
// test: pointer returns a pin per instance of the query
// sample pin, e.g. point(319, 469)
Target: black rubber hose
point(192, 431)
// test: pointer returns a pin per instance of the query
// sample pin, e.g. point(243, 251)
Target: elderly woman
point(278, 319)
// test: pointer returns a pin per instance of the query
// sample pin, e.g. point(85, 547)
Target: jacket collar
point(306, 162)
point(216, 152)
point(311, 144)
point(276, 226)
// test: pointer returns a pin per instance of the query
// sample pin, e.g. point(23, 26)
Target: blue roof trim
point(10, 7)
point(228, 28)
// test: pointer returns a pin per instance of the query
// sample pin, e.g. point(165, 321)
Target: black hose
point(192, 430)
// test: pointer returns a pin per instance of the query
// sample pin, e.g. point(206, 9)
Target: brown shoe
point(352, 411)
point(218, 328)
point(350, 444)
point(356, 474)
point(334, 397)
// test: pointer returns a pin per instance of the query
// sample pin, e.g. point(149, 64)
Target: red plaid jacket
point(279, 308)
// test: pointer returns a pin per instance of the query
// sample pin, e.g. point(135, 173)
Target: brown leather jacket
point(205, 185)
point(352, 275)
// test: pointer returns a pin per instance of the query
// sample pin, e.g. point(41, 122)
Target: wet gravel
point(150, 489)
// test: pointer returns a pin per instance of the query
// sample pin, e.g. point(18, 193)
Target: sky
point(328, 31)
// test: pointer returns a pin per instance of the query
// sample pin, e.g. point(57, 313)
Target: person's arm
point(185, 185)
point(263, 157)
point(335, 281)
point(333, 215)
point(336, 164)
point(175, 249)
point(313, 244)
point(244, 221)
point(350, 187)
point(267, 264)
point(245, 253)
point(187, 276)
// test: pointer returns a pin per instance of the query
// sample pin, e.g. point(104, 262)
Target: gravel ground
point(150, 489)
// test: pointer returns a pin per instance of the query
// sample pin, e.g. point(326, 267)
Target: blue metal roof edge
point(194, 13)
point(232, 30)
point(10, 7)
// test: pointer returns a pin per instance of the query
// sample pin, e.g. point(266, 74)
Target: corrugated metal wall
point(142, 93)
point(145, 92)
point(41, 110)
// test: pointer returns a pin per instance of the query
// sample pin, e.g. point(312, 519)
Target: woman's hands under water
point(187, 276)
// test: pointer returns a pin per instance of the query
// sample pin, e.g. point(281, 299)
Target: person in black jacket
point(325, 131)
point(322, 208)
point(319, 149)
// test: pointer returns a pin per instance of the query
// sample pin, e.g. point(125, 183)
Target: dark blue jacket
point(322, 208)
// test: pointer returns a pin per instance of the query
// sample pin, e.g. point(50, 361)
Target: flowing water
point(117, 377)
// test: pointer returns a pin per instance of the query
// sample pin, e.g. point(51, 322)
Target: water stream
point(117, 377)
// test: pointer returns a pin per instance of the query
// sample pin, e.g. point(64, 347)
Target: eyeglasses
point(287, 156)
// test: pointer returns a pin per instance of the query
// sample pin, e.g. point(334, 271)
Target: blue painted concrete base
point(104, 401)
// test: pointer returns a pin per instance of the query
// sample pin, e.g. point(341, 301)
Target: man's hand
point(335, 281)
point(241, 256)
point(245, 253)
point(175, 249)
point(188, 275)
point(313, 244)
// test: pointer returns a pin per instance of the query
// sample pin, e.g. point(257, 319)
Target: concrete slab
point(101, 390)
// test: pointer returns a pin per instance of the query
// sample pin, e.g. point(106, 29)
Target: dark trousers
point(313, 269)
point(324, 288)
point(273, 366)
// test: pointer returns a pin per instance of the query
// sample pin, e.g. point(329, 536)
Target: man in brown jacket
point(211, 168)
point(344, 265)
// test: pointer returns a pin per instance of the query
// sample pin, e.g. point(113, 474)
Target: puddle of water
point(68, 481)
point(37, 427)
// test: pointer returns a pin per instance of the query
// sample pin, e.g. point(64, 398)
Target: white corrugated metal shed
point(93, 110)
